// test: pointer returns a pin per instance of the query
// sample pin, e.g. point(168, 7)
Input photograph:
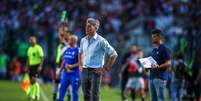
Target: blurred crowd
point(124, 23)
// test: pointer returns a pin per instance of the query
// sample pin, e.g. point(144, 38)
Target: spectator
point(3, 64)
point(177, 84)
point(135, 82)
point(16, 68)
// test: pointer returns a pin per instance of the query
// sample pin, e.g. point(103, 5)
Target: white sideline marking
point(43, 94)
point(42, 91)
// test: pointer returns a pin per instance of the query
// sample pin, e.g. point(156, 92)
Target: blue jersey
point(161, 55)
point(71, 57)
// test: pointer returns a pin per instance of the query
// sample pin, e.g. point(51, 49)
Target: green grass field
point(11, 91)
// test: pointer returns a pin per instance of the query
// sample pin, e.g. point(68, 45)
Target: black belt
point(90, 69)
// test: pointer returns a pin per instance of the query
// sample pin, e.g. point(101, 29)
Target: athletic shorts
point(33, 70)
point(135, 83)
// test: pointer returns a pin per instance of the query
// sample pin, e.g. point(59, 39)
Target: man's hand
point(101, 70)
point(69, 67)
point(155, 66)
point(65, 23)
point(26, 69)
point(58, 70)
point(107, 68)
point(81, 68)
point(39, 68)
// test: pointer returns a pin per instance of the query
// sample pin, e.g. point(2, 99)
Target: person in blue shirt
point(160, 73)
point(63, 41)
point(71, 74)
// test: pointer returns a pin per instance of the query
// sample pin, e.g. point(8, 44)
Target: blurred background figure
point(64, 35)
point(16, 69)
point(193, 82)
point(106, 81)
point(3, 64)
point(123, 75)
point(178, 77)
point(135, 82)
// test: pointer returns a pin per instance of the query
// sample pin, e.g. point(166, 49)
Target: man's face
point(63, 35)
point(134, 49)
point(32, 40)
point(155, 39)
point(90, 29)
point(73, 40)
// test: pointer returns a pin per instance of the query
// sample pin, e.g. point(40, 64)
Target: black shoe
point(54, 97)
point(36, 98)
point(68, 97)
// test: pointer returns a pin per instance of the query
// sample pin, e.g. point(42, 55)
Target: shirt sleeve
point(28, 52)
point(63, 50)
point(166, 54)
point(40, 50)
point(81, 46)
point(109, 49)
point(58, 58)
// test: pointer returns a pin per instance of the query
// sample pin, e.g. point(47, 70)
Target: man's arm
point(166, 57)
point(41, 54)
point(107, 65)
point(110, 62)
point(27, 65)
point(73, 65)
point(80, 56)
point(80, 61)
point(167, 64)
point(41, 64)
point(112, 55)
point(59, 69)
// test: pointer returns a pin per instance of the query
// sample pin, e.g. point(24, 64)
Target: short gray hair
point(94, 22)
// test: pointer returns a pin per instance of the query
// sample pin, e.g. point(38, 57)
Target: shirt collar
point(95, 36)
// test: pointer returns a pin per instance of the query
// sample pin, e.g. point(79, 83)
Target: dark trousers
point(91, 84)
point(124, 80)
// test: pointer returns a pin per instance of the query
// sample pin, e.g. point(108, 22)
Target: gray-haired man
point(93, 49)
